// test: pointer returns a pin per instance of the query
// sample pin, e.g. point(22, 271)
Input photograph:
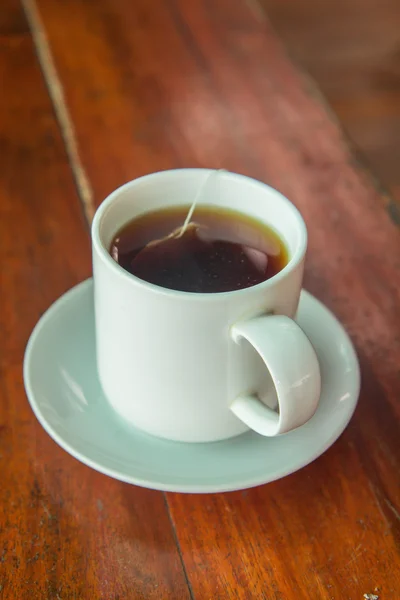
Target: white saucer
point(63, 389)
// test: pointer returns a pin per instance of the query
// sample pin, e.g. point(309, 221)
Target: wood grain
point(65, 531)
point(165, 84)
point(352, 50)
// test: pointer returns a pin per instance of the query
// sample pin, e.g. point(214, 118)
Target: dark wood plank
point(351, 48)
point(167, 84)
point(65, 531)
point(11, 21)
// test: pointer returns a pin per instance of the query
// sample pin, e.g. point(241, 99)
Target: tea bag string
point(178, 232)
point(200, 193)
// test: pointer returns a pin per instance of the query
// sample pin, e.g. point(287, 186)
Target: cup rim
point(110, 263)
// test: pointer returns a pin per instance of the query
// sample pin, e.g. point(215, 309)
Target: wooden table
point(96, 93)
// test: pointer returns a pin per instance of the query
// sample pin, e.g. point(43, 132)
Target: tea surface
point(222, 250)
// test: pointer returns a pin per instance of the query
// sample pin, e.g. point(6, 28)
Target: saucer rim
point(181, 487)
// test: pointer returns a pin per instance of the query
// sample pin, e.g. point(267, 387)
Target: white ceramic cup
point(203, 367)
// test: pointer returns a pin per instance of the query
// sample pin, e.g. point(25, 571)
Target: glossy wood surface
point(351, 48)
point(94, 94)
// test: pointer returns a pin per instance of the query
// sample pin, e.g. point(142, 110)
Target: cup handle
point(293, 365)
